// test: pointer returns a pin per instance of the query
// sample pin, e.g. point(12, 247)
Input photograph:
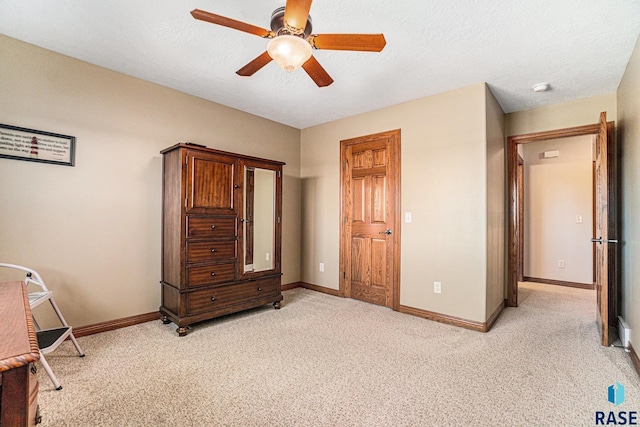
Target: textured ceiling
point(580, 46)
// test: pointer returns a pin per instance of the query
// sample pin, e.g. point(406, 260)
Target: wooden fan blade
point(231, 23)
point(360, 42)
point(255, 65)
point(317, 73)
point(296, 13)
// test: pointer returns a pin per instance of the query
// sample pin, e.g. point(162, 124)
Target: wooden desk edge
point(34, 352)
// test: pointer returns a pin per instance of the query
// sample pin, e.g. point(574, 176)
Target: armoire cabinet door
point(211, 183)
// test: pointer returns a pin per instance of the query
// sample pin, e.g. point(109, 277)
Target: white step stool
point(48, 339)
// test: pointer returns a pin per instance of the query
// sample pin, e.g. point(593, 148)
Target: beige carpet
point(327, 361)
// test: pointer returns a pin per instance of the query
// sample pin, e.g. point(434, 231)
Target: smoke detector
point(541, 87)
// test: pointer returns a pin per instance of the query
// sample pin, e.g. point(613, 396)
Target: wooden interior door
point(605, 237)
point(370, 230)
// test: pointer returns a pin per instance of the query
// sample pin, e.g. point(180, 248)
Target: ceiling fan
point(292, 42)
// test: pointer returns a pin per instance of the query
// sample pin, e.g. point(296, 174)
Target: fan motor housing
point(278, 26)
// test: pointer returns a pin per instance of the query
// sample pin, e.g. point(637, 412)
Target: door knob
point(387, 231)
point(600, 240)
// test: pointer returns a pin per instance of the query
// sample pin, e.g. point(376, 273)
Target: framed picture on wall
point(37, 146)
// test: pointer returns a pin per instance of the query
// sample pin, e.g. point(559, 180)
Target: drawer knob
point(213, 250)
point(213, 274)
point(213, 298)
point(259, 289)
point(213, 227)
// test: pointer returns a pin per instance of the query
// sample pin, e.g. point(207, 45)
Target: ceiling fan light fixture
point(290, 52)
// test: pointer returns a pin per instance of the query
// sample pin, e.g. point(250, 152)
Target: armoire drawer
point(211, 250)
point(220, 296)
point(210, 226)
point(211, 274)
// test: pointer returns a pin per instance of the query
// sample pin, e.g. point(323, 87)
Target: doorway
point(370, 218)
point(605, 220)
point(557, 200)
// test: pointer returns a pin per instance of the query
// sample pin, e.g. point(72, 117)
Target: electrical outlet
point(322, 267)
point(560, 263)
point(437, 287)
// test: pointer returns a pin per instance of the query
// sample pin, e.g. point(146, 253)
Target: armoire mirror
point(259, 219)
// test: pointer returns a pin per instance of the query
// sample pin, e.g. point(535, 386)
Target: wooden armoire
point(221, 234)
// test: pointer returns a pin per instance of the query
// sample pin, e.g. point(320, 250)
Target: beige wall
point(556, 191)
point(629, 140)
point(444, 186)
point(496, 204)
point(563, 115)
point(93, 230)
